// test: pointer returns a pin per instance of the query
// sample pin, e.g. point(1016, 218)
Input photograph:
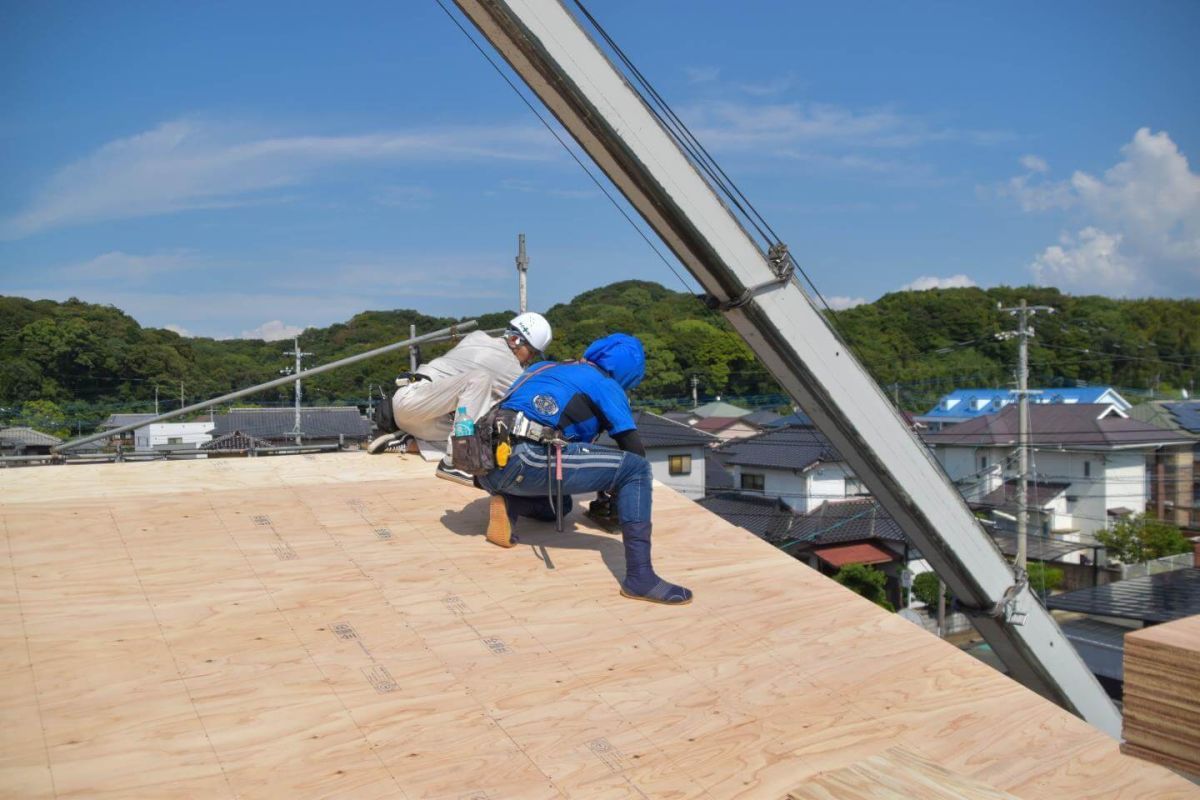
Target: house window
point(174, 440)
point(679, 465)
point(983, 463)
point(1087, 469)
point(753, 483)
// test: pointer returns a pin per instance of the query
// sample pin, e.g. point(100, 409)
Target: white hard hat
point(533, 328)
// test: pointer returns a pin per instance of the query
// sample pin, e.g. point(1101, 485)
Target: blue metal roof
point(964, 404)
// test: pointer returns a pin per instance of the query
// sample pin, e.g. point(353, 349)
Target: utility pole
point(181, 403)
point(156, 399)
point(695, 396)
point(295, 351)
point(1023, 332)
point(412, 349)
point(522, 269)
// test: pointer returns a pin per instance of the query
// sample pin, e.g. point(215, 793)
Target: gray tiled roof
point(275, 423)
point(235, 440)
point(798, 418)
point(658, 431)
point(762, 418)
point(765, 517)
point(26, 437)
point(846, 521)
point(120, 420)
point(792, 448)
point(1082, 425)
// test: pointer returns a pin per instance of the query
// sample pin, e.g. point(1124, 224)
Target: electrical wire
point(564, 145)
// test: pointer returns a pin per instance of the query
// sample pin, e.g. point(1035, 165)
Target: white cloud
point(1089, 263)
point(273, 331)
point(182, 331)
point(770, 87)
point(121, 266)
point(1034, 163)
point(926, 282)
point(1032, 192)
point(1142, 218)
point(841, 302)
point(737, 125)
point(190, 164)
point(702, 74)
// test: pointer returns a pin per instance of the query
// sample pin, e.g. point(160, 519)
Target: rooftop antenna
point(522, 269)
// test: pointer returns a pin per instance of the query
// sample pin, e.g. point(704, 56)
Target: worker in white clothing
point(473, 375)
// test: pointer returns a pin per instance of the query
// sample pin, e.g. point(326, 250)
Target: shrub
point(866, 581)
point(925, 587)
point(1043, 578)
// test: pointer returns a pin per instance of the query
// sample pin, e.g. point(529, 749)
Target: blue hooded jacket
point(621, 356)
point(585, 399)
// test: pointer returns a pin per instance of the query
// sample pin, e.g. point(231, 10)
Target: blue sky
point(232, 169)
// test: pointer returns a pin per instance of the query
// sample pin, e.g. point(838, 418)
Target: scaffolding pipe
point(444, 333)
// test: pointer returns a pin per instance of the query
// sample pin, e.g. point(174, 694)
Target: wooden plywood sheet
point(1162, 694)
point(336, 626)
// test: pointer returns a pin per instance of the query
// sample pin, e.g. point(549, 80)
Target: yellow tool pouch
point(503, 451)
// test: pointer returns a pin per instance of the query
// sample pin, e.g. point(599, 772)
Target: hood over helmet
point(621, 356)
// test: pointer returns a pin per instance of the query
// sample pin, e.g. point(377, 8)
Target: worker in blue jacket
point(552, 415)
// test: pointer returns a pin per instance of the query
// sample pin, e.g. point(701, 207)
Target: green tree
point(866, 581)
point(44, 416)
point(925, 588)
point(1139, 538)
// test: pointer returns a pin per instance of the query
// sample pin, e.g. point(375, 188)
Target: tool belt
point(475, 453)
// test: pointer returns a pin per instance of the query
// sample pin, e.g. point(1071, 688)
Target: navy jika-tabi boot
point(641, 583)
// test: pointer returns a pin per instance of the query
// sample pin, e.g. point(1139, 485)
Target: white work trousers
point(426, 408)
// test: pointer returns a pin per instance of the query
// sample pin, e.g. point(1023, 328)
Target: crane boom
point(546, 46)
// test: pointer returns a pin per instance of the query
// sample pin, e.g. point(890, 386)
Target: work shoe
point(397, 441)
point(449, 473)
point(641, 582)
point(500, 522)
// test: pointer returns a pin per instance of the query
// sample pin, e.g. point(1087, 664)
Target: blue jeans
point(587, 468)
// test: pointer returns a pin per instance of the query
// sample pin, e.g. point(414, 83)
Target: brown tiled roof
point(1082, 425)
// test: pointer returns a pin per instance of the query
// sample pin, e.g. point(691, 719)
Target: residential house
point(1175, 473)
point(676, 452)
point(172, 436)
point(125, 439)
point(1088, 463)
point(726, 428)
point(796, 465)
point(26, 442)
point(963, 405)
point(318, 424)
point(854, 531)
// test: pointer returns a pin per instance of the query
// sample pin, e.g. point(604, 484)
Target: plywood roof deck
point(336, 626)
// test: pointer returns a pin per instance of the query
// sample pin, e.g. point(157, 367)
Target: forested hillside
point(91, 360)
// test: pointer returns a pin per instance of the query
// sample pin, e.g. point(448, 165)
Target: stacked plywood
point(1162, 694)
